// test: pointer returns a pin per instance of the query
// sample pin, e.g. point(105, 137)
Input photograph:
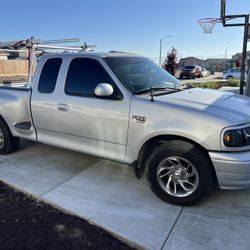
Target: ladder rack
point(33, 45)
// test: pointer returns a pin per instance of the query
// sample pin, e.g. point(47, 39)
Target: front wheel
point(180, 173)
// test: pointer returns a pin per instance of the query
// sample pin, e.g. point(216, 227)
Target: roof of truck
point(93, 54)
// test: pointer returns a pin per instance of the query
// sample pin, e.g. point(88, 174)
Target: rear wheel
point(8, 143)
point(229, 78)
point(180, 173)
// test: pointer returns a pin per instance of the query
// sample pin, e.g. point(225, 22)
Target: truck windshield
point(138, 73)
point(189, 67)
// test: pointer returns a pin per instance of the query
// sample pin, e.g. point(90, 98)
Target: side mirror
point(104, 90)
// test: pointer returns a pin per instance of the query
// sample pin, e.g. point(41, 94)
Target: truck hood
point(232, 107)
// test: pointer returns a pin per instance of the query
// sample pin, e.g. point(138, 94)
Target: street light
point(161, 47)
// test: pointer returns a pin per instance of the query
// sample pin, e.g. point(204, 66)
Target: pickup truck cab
point(125, 108)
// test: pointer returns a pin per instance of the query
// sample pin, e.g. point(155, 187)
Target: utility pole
point(225, 59)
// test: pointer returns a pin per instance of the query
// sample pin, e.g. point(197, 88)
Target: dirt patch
point(26, 223)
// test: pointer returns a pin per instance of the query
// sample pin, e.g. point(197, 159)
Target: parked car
point(125, 108)
point(204, 72)
point(191, 71)
point(232, 74)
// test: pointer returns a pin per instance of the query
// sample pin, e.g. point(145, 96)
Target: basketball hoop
point(207, 24)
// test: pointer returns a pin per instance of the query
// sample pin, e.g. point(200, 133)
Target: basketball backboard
point(231, 19)
point(223, 11)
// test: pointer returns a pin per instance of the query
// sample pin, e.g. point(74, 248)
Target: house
point(18, 55)
point(238, 55)
point(190, 61)
point(218, 64)
point(4, 55)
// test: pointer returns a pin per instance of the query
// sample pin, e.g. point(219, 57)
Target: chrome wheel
point(1, 139)
point(177, 176)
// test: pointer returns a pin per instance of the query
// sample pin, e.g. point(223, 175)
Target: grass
point(216, 85)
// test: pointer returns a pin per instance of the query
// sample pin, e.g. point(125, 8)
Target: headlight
point(237, 137)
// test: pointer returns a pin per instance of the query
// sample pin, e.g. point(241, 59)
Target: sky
point(127, 25)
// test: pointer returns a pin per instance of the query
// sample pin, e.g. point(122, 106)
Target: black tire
point(9, 142)
point(199, 161)
point(181, 77)
point(229, 78)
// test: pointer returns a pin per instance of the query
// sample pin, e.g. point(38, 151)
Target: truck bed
point(14, 108)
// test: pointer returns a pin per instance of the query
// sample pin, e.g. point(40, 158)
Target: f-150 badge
point(139, 118)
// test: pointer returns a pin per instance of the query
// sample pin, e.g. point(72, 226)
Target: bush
point(207, 85)
point(233, 83)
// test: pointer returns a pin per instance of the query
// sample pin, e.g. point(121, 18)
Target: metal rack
point(33, 45)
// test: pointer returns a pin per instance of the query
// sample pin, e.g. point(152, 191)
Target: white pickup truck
point(125, 108)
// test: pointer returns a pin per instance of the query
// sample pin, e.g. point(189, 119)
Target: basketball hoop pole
point(244, 55)
point(225, 18)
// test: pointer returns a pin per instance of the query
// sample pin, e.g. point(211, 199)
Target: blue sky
point(128, 25)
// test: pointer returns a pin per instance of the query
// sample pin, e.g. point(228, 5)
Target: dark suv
point(190, 71)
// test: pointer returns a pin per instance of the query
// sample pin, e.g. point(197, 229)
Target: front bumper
point(187, 74)
point(232, 169)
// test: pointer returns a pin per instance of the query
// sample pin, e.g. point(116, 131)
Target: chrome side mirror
point(104, 90)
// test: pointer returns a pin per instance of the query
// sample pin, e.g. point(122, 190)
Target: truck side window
point(49, 74)
point(84, 75)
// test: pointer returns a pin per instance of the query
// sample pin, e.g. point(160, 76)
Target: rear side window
point(84, 75)
point(49, 74)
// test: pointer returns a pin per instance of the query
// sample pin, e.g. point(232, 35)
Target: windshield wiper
point(142, 91)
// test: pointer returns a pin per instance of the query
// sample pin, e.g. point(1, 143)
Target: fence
point(13, 67)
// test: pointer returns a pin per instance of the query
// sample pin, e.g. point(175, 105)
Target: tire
point(193, 77)
point(8, 143)
point(229, 78)
point(181, 77)
point(168, 155)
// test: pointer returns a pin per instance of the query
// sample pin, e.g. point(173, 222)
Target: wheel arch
point(141, 164)
point(5, 123)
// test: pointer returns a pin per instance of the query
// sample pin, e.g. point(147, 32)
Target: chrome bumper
point(232, 169)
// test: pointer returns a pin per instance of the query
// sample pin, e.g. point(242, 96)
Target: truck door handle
point(62, 107)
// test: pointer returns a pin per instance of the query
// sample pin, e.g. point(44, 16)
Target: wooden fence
point(13, 67)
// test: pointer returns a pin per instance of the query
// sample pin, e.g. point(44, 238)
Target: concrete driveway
point(108, 194)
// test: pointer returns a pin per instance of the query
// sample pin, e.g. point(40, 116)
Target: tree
point(238, 62)
point(170, 63)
